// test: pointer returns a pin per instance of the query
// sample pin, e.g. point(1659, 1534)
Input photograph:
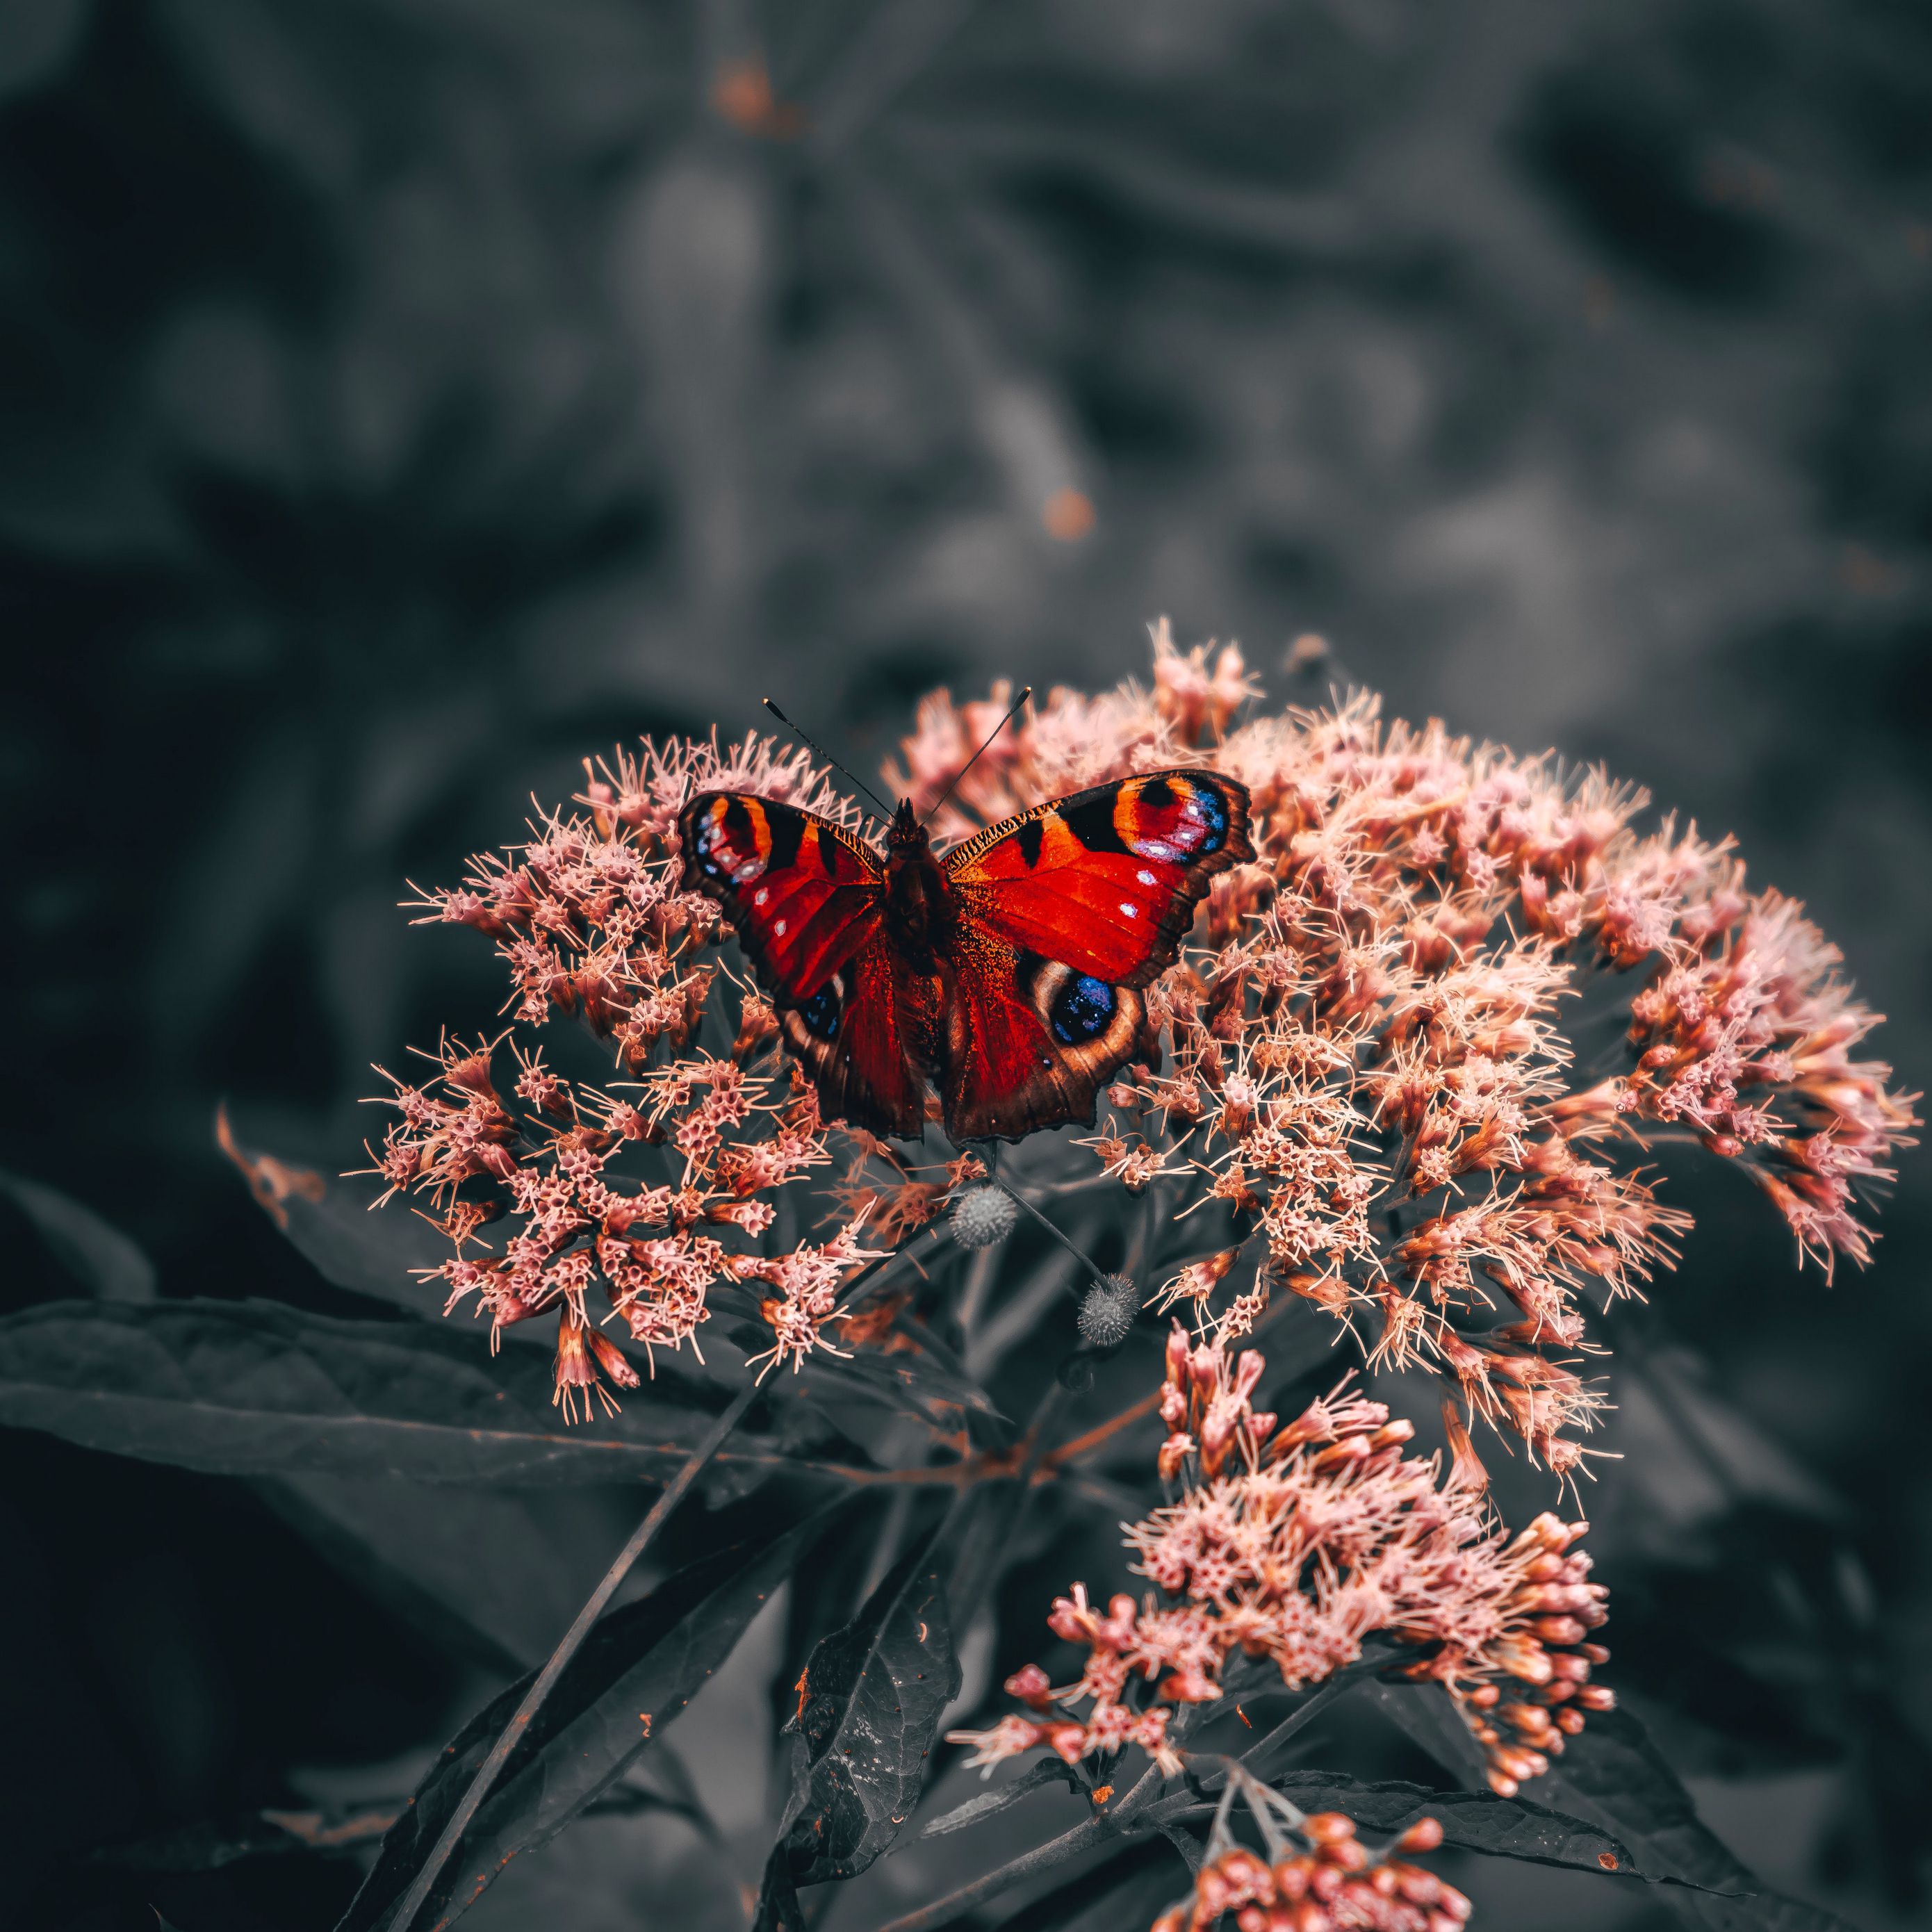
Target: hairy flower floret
point(1298, 1543)
point(1317, 1875)
point(1357, 1084)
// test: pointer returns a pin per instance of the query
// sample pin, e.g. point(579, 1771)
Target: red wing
point(866, 1038)
point(804, 894)
point(807, 898)
point(1027, 1041)
point(1106, 881)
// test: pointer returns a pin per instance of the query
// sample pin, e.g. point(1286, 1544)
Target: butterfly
point(1007, 971)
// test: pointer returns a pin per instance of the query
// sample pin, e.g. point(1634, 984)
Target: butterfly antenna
point(827, 759)
point(975, 758)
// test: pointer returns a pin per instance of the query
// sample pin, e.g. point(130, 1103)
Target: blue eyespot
point(820, 1014)
point(1208, 808)
point(1082, 1010)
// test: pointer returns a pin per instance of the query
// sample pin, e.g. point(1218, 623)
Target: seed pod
point(983, 1216)
point(1107, 1313)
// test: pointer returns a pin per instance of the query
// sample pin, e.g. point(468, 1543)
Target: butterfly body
point(1007, 971)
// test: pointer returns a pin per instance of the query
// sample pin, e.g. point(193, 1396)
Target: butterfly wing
point(807, 898)
point(1065, 912)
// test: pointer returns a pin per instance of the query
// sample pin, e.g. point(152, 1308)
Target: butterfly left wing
point(807, 898)
point(1065, 912)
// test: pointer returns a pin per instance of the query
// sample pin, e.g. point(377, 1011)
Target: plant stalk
point(492, 1766)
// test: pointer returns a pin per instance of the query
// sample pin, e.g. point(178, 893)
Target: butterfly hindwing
point(1026, 1042)
point(864, 1037)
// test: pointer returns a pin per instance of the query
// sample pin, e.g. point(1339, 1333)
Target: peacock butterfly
point(1007, 971)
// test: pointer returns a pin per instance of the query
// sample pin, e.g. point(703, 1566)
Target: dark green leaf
point(1046, 1771)
point(869, 1704)
point(1613, 1776)
point(650, 1658)
point(334, 1223)
point(1474, 1821)
point(1613, 1772)
point(256, 1388)
point(496, 1573)
point(98, 1256)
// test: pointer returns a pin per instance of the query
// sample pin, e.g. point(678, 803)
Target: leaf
point(1474, 1821)
point(1612, 1771)
point(1612, 1775)
point(209, 1845)
point(256, 1388)
point(98, 1256)
point(1046, 1771)
point(1429, 1716)
point(334, 1224)
point(636, 1672)
point(869, 1704)
point(496, 1573)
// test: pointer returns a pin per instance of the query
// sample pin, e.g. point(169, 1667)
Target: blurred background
point(402, 399)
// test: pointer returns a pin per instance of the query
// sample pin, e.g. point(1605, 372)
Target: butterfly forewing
point(804, 895)
point(1065, 912)
point(1106, 881)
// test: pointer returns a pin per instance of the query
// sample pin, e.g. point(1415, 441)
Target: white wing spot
point(778, 927)
point(1131, 910)
point(765, 892)
point(1147, 878)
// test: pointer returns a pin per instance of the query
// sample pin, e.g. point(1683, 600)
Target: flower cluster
point(1298, 1543)
point(1367, 1074)
point(649, 1198)
point(1318, 1877)
point(1359, 1081)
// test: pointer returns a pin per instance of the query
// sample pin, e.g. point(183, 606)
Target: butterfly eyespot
point(1146, 877)
point(820, 1014)
point(1082, 1009)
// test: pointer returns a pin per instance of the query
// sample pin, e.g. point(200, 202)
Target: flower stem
point(492, 1766)
point(1078, 1253)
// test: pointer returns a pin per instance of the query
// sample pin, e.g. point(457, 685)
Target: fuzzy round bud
point(983, 1216)
point(1107, 1313)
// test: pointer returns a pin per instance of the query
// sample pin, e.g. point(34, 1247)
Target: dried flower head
point(1107, 1311)
point(981, 1217)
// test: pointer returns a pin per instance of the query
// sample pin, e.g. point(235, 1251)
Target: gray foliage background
point(402, 398)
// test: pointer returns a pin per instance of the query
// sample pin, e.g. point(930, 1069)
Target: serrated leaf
point(1612, 1775)
point(869, 1704)
point(256, 1388)
point(647, 1660)
point(98, 1255)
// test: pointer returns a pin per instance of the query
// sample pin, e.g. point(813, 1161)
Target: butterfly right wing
point(807, 899)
